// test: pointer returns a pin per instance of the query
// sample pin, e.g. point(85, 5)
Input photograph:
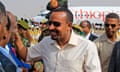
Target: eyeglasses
point(112, 25)
point(55, 23)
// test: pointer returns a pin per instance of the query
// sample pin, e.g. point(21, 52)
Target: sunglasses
point(55, 23)
point(43, 23)
point(112, 25)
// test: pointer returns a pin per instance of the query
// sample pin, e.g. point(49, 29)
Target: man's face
point(3, 24)
point(111, 26)
point(58, 26)
point(22, 32)
point(43, 25)
point(85, 27)
point(14, 24)
point(13, 21)
point(1, 30)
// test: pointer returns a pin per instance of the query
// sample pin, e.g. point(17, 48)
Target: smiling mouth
point(53, 33)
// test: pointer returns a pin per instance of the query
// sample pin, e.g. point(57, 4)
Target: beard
point(54, 34)
point(110, 34)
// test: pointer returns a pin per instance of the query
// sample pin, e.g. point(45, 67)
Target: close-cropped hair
point(67, 11)
point(2, 11)
point(112, 15)
point(8, 24)
point(88, 23)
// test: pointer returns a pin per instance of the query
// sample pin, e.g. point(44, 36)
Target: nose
point(51, 27)
point(110, 27)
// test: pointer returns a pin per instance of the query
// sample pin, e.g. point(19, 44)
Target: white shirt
point(88, 35)
point(78, 55)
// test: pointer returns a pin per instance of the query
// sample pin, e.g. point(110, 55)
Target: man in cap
point(44, 29)
point(24, 33)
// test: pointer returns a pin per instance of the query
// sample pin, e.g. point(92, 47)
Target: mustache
point(53, 31)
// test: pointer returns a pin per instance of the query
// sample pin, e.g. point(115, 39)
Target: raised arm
point(21, 49)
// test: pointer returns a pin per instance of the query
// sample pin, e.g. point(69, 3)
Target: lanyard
point(18, 61)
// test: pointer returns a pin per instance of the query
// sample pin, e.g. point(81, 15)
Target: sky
point(30, 8)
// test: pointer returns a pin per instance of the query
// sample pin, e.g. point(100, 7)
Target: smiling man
point(63, 50)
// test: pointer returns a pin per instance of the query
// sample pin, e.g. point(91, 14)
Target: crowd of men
point(58, 48)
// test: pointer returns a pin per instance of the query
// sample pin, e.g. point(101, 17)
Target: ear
point(4, 37)
point(118, 26)
point(70, 24)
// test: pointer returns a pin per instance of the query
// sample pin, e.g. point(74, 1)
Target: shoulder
point(79, 40)
point(101, 38)
point(85, 45)
point(46, 39)
point(1, 68)
point(94, 35)
point(86, 42)
point(90, 46)
point(116, 48)
point(117, 44)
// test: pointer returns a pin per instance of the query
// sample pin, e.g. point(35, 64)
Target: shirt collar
point(104, 37)
point(4, 51)
point(73, 39)
point(88, 35)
